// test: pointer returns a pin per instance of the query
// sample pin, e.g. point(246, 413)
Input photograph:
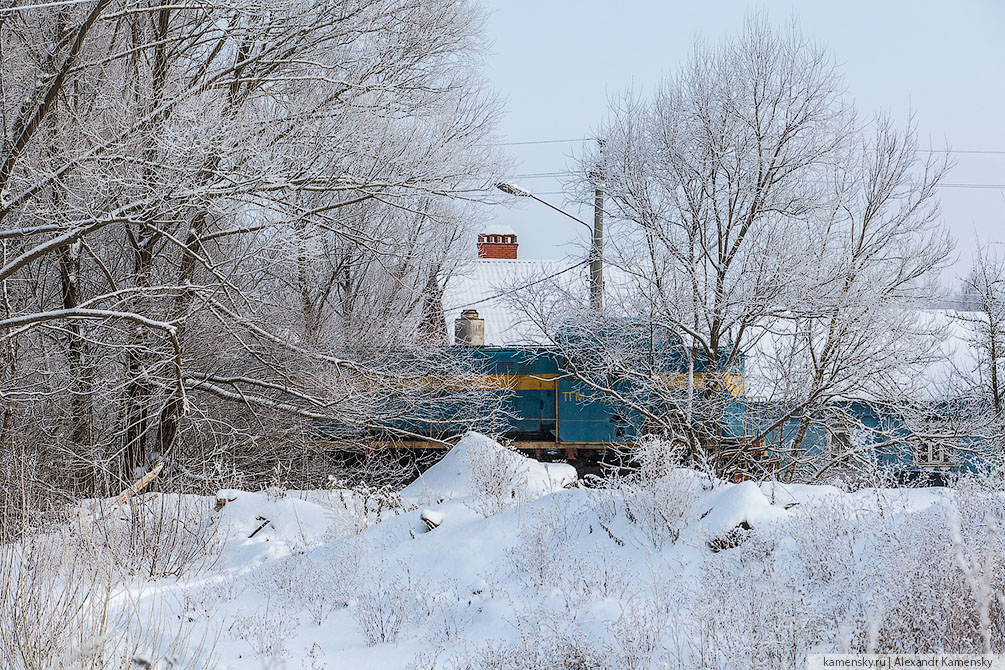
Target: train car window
point(840, 438)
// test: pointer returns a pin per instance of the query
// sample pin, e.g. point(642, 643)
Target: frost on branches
point(211, 212)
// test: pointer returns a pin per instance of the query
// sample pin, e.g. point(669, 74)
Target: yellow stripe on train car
point(536, 382)
point(542, 382)
point(733, 382)
point(548, 382)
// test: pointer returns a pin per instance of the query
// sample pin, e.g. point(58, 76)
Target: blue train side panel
point(588, 417)
point(542, 407)
point(527, 379)
point(878, 433)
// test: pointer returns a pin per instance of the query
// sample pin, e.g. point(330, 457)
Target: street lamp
point(596, 257)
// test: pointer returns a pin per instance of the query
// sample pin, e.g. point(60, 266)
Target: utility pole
point(595, 259)
point(597, 244)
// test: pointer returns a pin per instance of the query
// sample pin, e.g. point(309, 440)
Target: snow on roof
point(957, 357)
point(498, 229)
point(486, 285)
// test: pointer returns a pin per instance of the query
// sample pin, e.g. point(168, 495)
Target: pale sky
point(556, 63)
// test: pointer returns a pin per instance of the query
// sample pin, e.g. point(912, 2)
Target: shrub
point(382, 605)
point(499, 479)
point(152, 536)
point(63, 609)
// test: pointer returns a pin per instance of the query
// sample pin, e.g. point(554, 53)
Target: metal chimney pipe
point(469, 329)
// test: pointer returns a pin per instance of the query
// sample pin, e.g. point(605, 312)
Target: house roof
point(488, 286)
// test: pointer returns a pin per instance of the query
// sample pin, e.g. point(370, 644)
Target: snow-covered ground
point(492, 560)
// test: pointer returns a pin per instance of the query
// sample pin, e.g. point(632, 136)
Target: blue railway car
point(549, 412)
point(545, 409)
point(924, 449)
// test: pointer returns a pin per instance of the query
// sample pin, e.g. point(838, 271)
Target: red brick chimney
point(497, 242)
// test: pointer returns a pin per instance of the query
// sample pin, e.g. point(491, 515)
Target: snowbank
point(727, 506)
point(629, 577)
point(452, 477)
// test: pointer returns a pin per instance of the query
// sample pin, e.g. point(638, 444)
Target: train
point(551, 414)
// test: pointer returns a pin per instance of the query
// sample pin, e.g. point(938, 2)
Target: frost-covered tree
point(984, 294)
point(209, 210)
point(757, 224)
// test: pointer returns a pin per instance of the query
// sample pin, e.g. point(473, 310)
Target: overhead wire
point(526, 142)
point(571, 173)
point(590, 139)
point(44, 5)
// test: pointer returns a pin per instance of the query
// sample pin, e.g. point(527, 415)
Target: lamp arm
point(559, 209)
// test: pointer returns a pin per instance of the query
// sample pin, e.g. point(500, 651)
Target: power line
point(525, 142)
point(556, 175)
point(995, 186)
point(545, 175)
point(999, 152)
point(962, 151)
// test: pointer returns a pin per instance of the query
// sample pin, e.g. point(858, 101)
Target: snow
point(451, 476)
point(432, 518)
point(486, 284)
point(489, 286)
point(728, 506)
point(498, 229)
point(319, 579)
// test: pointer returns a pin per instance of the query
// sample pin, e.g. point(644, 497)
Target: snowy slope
point(607, 578)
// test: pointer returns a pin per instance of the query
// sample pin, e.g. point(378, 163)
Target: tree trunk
point(76, 347)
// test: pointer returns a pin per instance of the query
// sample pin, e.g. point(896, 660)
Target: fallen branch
point(141, 484)
point(265, 522)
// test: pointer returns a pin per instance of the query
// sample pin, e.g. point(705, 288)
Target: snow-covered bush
point(361, 505)
point(332, 582)
point(492, 477)
point(265, 631)
point(826, 537)
point(660, 494)
point(63, 609)
point(547, 554)
point(752, 614)
point(636, 636)
point(448, 610)
point(533, 650)
point(539, 558)
point(595, 575)
point(944, 575)
point(384, 600)
point(153, 536)
point(498, 478)
point(319, 581)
